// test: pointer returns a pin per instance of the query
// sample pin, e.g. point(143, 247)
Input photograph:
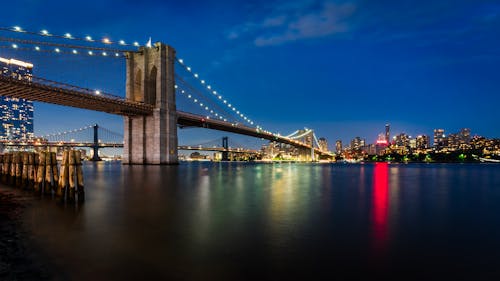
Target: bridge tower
point(225, 145)
point(151, 139)
point(95, 145)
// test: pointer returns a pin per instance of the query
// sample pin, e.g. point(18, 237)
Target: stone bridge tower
point(151, 139)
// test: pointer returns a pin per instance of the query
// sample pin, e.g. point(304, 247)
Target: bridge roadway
point(43, 90)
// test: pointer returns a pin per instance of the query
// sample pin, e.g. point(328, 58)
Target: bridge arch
point(151, 93)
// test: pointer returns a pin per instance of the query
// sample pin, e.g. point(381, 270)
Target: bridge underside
point(63, 94)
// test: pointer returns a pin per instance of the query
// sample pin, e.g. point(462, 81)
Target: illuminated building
point(16, 115)
point(402, 140)
point(323, 144)
point(422, 142)
point(338, 146)
point(387, 133)
point(357, 143)
point(439, 138)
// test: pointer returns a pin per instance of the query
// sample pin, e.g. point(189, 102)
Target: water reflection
point(233, 221)
point(380, 207)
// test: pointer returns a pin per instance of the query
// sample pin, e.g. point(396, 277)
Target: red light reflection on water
point(380, 206)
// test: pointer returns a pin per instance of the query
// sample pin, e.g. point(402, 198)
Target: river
point(282, 221)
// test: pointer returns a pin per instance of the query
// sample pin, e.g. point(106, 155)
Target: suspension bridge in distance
point(96, 137)
point(149, 108)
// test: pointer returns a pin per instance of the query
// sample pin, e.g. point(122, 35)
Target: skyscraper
point(16, 115)
point(338, 146)
point(387, 133)
point(323, 144)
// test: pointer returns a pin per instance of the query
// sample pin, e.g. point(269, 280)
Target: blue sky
point(343, 68)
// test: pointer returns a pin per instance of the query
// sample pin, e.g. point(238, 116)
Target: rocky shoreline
point(17, 259)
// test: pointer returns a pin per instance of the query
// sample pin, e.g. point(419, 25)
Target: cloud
point(300, 21)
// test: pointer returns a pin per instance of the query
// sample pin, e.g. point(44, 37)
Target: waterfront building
point(323, 144)
point(402, 140)
point(439, 138)
point(422, 142)
point(387, 133)
point(357, 143)
point(16, 115)
point(338, 146)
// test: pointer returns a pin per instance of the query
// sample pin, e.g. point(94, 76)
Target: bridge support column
point(151, 139)
point(95, 147)
point(225, 145)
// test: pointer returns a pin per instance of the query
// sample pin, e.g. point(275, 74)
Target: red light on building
point(382, 142)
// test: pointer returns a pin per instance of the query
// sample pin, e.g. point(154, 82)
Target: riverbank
point(18, 260)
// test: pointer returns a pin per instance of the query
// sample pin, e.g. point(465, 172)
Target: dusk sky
point(343, 68)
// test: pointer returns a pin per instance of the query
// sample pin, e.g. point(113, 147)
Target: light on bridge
point(136, 44)
point(88, 38)
point(57, 50)
point(37, 48)
point(90, 53)
point(44, 32)
point(14, 46)
point(97, 92)
point(18, 29)
point(75, 52)
point(106, 41)
point(68, 35)
point(181, 61)
point(121, 42)
point(104, 53)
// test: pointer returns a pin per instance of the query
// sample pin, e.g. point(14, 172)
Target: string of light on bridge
point(62, 51)
point(208, 109)
point(57, 48)
point(64, 133)
point(219, 96)
point(69, 36)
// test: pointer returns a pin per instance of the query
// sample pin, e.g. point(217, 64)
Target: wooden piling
point(24, 181)
point(63, 175)
point(40, 174)
point(6, 167)
point(31, 170)
point(19, 169)
point(79, 175)
point(15, 159)
point(1, 165)
point(72, 176)
point(49, 176)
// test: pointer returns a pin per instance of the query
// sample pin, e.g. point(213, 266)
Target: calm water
point(241, 221)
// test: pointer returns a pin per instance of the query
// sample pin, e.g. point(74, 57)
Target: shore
point(18, 260)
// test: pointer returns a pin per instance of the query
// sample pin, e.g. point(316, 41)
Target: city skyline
point(418, 75)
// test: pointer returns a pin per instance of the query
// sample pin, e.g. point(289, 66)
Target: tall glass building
point(16, 115)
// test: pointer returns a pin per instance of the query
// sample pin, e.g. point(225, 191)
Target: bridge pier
point(225, 145)
point(95, 147)
point(151, 139)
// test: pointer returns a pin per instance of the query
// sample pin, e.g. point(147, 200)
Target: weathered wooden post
point(19, 169)
point(49, 175)
point(15, 159)
point(72, 174)
point(24, 181)
point(6, 167)
point(1, 165)
point(79, 176)
point(63, 175)
point(40, 175)
point(31, 169)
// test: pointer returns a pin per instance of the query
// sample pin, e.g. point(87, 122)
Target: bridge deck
point(62, 94)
